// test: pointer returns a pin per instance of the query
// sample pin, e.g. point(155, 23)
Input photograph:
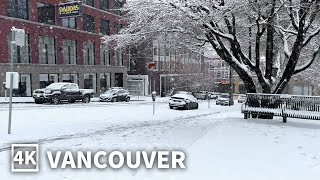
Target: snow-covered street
point(218, 142)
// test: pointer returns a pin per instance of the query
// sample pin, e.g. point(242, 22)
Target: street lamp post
point(231, 102)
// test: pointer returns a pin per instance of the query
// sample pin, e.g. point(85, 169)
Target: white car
point(185, 101)
point(242, 98)
point(223, 100)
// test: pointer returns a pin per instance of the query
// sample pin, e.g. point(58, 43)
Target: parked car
point(57, 92)
point(115, 95)
point(214, 95)
point(200, 95)
point(184, 92)
point(242, 98)
point(185, 101)
point(223, 100)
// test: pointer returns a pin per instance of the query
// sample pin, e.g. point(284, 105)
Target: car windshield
point(111, 91)
point(56, 86)
point(224, 96)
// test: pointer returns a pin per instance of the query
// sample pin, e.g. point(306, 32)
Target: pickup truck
point(57, 92)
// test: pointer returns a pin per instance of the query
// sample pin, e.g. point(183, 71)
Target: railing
point(305, 107)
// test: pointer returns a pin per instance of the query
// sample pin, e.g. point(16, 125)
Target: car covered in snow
point(115, 95)
point(223, 99)
point(62, 91)
point(200, 95)
point(242, 98)
point(185, 101)
point(214, 95)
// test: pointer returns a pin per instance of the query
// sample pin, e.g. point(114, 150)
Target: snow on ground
point(218, 142)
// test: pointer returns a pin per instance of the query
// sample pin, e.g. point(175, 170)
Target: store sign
point(70, 9)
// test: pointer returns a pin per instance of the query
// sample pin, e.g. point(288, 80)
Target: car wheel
point(55, 99)
point(38, 101)
point(114, 100)
point(187, 107)
point(127, 99)
point(197, 106)
point(86, 99)
point(171, 107)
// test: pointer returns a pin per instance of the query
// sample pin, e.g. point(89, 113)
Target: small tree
point(240, 31)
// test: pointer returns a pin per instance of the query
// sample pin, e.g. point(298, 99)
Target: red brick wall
point(36, 29)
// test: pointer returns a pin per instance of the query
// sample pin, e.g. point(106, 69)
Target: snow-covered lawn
point(218, 142)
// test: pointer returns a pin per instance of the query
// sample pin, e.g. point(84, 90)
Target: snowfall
point(218, 142)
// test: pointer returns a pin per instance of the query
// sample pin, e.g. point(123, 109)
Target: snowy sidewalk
point(252, 149)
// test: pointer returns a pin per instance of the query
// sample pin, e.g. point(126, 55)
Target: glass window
point(118, 57)
point(90, 81)
point(118, 80)
point(69, 22)
point(88, 23)
point(105, 54)
point(74, 87)
point(22, 54)
point(72, 78)
point(24, 89)
point(117, 27)
point(18, 8)
point(118, 6)
point(46, 13)
point(47, 79)
point(89, 2)
point(89, 53)
point(104, 4)
point(69, 51)
point(105, 81)
point(47, 54)
point(105, 27)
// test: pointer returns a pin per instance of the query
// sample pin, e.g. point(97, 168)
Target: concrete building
point(177, 68)
point(62, 49)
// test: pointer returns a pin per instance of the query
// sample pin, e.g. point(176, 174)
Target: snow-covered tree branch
point(262, 40)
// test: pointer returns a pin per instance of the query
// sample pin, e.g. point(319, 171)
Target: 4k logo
point(24, 158)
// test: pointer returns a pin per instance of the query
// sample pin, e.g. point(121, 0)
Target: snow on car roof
point(185, 96)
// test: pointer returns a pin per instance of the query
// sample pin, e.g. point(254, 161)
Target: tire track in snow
point(169, 123)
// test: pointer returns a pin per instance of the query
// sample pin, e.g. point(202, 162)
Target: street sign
point(15, 82)
point(152, 65)
point(70, 9)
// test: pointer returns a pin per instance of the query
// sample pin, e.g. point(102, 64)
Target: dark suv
point(115, 94)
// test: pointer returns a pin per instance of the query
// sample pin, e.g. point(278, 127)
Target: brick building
point(62, 49)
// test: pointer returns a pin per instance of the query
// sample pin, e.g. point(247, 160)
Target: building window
point(118, 57)
point(89, 53)
point(105, 27)
point(90, 81)
point(69, 22)
point(104, 5)
point(105, 54)
point(18, 8)
point(46, 13)
point(24, 89)
point(105, 81)
point(69, 51)
point(47, 79)
point(71, 78)
point(47, 54)
point(89, 2)
point(88, 23)
point(117, 27)
point(118, 5)
point(22, 54)
point(118, 79)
